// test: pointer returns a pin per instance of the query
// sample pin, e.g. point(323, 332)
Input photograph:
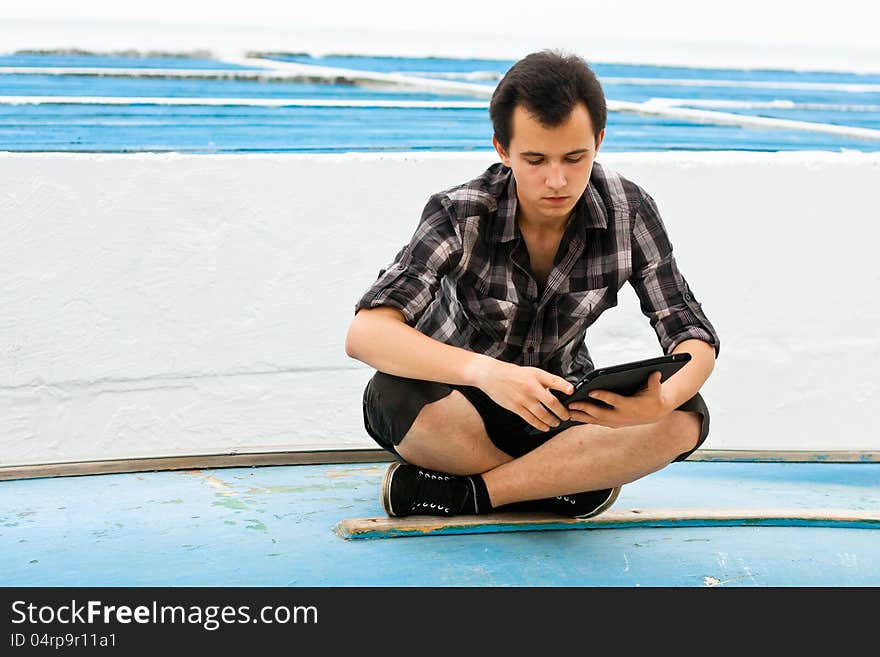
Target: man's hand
point(524, 391)
point(646, 406)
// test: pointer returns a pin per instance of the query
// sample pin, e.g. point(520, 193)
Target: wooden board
point(237, 459)
point(386, 527)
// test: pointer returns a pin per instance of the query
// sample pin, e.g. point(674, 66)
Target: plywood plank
point(385, 527)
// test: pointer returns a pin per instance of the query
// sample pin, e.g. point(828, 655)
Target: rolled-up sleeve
point(409, 283)
point(665, 296)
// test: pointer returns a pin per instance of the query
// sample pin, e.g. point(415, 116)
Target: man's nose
point(555, 177)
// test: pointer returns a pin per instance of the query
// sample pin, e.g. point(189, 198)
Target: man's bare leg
point(449, 435)
point(592, 457)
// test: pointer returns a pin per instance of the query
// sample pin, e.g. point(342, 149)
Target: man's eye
point(574, 160)
point(534, 162)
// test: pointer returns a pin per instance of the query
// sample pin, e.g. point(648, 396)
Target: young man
point(484, 312)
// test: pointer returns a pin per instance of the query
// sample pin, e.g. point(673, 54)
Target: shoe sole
point(612, 498)
point(386, 488)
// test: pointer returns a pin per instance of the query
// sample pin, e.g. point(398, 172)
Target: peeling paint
point(356, 472)
point(714, 581)
point(215, 483)
point(231, 503)
point(302, 489)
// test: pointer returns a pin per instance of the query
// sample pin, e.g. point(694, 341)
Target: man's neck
point(541, 225)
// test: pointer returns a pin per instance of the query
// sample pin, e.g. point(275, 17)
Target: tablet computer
point(624, 379)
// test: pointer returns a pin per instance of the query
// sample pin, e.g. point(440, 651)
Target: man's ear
point(599, 139)
point(501, 152)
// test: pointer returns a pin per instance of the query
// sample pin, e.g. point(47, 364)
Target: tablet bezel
point(667, 365)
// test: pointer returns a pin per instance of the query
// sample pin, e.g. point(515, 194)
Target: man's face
point(551, 165)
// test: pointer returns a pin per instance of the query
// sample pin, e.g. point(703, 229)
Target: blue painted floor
point(274, 526)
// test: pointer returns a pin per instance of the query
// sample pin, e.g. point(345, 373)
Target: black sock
point(478, 499)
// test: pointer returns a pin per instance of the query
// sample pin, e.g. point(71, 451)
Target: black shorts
point(391, 404)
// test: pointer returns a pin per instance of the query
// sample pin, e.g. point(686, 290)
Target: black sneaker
point(578, 505)
point(582, 505)
point(410, 490)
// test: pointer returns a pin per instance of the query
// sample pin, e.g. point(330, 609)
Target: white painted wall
point(195, 304)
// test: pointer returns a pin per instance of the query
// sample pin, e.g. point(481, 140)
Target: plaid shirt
point(464, 277)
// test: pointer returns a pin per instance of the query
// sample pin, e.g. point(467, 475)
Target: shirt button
point(687, 296)
point(530, 349)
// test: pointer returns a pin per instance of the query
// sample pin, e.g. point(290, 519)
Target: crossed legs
point(449, 435)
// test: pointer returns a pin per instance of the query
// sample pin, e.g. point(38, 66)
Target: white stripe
point(277, 70)
point(769, 104)
point(725, 118)
point(747, 84)
point(368, 78)
point(251, 102)
point(456, 75)
point(114, 72)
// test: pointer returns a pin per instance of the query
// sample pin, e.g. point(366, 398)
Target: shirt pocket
point(583, 304)
point(575, 311)
point(492, 317)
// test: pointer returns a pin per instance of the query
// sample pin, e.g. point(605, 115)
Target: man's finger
point(585, 418)
point(544, 415)
point(529, 417)
point(606, 396)
point(595, 412)
point(557, 383)
point(652, 385)
point(579, 416)
point(555, 406)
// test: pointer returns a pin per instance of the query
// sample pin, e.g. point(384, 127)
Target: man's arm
point(690, 378)
point(381, 338)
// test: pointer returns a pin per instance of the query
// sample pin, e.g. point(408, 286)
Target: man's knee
point(452, 413)
point(449, 435)
point(682, 430)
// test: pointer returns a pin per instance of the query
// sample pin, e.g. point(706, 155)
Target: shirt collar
point(589, 212)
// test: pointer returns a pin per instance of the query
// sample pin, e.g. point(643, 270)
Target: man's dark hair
point(548, 84)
